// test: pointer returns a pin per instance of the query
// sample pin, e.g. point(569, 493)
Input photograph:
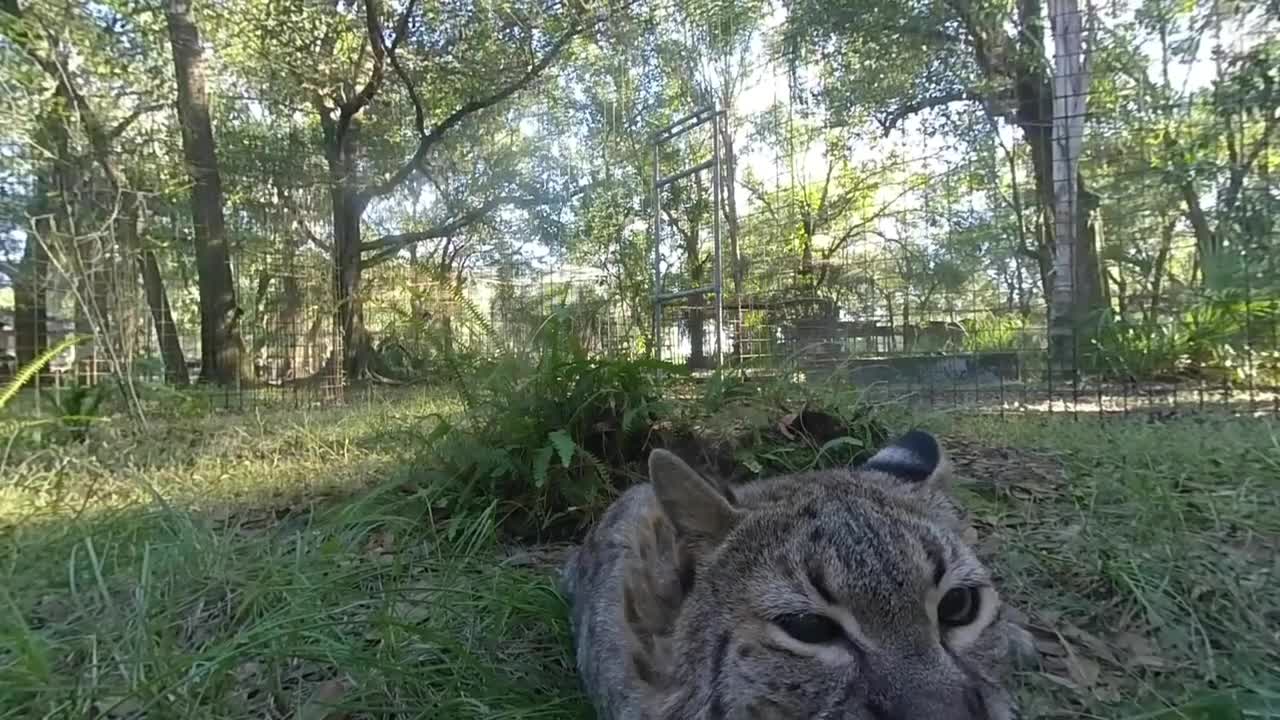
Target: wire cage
point(950, 253)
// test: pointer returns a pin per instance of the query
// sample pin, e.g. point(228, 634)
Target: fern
point(564, 445)
point(473, 314)
point(77, 409)
point(35, 366)
point(541, 464)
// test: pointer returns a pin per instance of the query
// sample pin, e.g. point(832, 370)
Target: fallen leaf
point(1083, 671)
point(1059, 680)
point(323, 702)
point(1049, 647)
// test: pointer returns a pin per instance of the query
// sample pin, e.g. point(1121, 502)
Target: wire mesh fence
point(1102, 241)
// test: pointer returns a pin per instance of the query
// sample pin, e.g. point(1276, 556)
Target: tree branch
point(115, 132)
point(905, 111)
point(1240, 170)
point(99, 139)
point(373, 25)
point(429, 138)
point(387, 246)
point(286, 199)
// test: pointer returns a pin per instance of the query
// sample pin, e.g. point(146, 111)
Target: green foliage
point(550, 436)
point(77, 407)
point(539, 432)
point(830, 426)
point(997, 333)
point(1224, 336)
point(33, 368)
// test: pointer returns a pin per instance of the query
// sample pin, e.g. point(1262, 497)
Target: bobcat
point(843, 593)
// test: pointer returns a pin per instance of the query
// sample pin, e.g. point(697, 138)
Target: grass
point(1148, 565)
point(291, 571)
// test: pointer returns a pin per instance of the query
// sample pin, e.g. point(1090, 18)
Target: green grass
point(1148, 566)
point(291, 571)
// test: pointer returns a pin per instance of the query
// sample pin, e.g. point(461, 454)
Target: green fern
point(35, 366)
point(473, 314)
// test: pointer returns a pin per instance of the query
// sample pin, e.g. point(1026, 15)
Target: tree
point(904, 66)
point(220, 343)
point(340, 115)
point(1068, 309)
point(69, 104)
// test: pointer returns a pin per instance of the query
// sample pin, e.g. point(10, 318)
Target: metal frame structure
point(677, 129)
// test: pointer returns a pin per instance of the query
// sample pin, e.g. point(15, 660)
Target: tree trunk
point(30, 312)
point(175, 363)
point(1051, 117)
point(129, 239)
point(1157, 274)
point(348, 210)
point(696, 314)
point(696, 317)
point(220, 344)
point(291, 309)
point(729, 182)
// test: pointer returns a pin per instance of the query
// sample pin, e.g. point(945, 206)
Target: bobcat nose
point(908, 704)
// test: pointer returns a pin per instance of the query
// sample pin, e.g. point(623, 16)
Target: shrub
point(539, 432)
point(1224, 336)
point(997, 333)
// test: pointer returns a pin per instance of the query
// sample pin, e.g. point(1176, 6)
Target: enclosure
point(986, 220)
point(315, 315)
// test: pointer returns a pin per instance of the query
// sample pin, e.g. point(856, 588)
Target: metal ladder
point(677, 129)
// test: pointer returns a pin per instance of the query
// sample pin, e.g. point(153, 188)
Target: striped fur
point(818, 595)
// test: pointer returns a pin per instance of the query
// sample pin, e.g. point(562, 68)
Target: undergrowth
point(1222, 337)
point(553, 435)
point(357, 562)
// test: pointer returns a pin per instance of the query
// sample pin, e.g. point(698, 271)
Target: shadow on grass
point(370, 606)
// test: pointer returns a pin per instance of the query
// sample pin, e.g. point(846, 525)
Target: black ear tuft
point(915, 458)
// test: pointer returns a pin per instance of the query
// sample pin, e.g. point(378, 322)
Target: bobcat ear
point(915, 458)
point(697, 509)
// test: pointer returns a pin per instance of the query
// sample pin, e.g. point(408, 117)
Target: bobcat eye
point(811, 628)
point(959, 606)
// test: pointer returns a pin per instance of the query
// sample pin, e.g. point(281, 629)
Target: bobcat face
point(839, 594)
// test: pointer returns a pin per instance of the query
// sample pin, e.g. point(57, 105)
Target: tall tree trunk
point(348, 212)
point(1158, 267)
point(175, 363)
point(220, 345)
point(30, 311)
point(291, 307)
point(1051, 117)
point(729, 182)
point(128, 236)
point(696, 314)
point(696, 317)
